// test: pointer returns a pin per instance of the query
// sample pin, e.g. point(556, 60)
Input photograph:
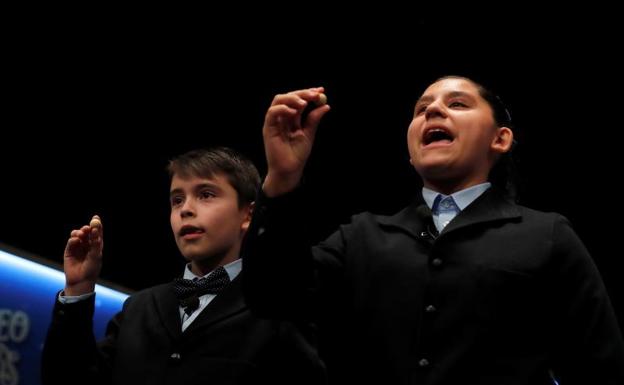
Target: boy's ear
point(248, 214)
point(503, 141)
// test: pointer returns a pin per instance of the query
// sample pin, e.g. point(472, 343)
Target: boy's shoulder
point(150, 292)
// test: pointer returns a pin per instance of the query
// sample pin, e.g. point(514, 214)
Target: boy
point(179, 332)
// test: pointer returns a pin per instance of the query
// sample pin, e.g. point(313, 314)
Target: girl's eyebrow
point(452, 94)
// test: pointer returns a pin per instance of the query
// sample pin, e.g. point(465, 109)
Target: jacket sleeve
point(589, 346)
point(70, 352)
point(283, 275)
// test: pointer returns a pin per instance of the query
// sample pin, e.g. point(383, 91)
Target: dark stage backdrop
point(90, 120)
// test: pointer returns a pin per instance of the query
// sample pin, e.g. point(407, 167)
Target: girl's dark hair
point(205, 163)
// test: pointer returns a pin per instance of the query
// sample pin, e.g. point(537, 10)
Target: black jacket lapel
point(488, 207)
point(416, 220)
point(227, 303)
point(168, 310)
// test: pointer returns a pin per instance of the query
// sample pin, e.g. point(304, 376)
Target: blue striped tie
point(444, 210)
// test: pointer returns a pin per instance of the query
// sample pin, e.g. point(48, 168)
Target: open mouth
point(190, 230)
point(437, 135)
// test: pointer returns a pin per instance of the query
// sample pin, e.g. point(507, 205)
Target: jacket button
point(430, 309)
point(175, 357)
point(423, 234)
point(423, 363)
point(437, 262)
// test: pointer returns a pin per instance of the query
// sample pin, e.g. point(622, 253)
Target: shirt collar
point(232, 269)
point(462, 198)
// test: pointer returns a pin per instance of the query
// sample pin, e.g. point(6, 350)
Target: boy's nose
point(187, 210)
point(187, 213)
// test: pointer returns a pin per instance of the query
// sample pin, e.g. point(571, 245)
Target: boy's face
point(207, 223)
point(453, 140)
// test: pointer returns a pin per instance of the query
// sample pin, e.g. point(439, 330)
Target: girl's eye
point(420, 109)
point(457, 104)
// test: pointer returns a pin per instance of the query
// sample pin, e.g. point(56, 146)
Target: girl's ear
point(503, 141)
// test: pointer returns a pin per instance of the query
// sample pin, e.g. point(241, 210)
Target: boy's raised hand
point(82, 260)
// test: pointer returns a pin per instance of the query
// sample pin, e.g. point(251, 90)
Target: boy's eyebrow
point(452, 94)
point(199, 186)
point(213, 186)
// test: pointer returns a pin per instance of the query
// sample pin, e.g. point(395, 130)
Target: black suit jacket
point(144, 344)
point(504, 295)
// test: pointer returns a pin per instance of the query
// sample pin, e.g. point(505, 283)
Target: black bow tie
point(188, 291)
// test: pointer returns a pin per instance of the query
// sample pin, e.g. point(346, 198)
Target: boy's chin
point(197, 257)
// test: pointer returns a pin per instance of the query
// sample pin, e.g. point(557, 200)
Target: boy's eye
point(176, 200)
point(206, 194)
point(457, 104)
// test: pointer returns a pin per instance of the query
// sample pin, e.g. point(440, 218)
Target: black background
point(95, 105)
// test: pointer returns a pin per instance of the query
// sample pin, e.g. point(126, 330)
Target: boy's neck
point(205, 266)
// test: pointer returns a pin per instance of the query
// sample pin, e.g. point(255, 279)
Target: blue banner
point(27, 293)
